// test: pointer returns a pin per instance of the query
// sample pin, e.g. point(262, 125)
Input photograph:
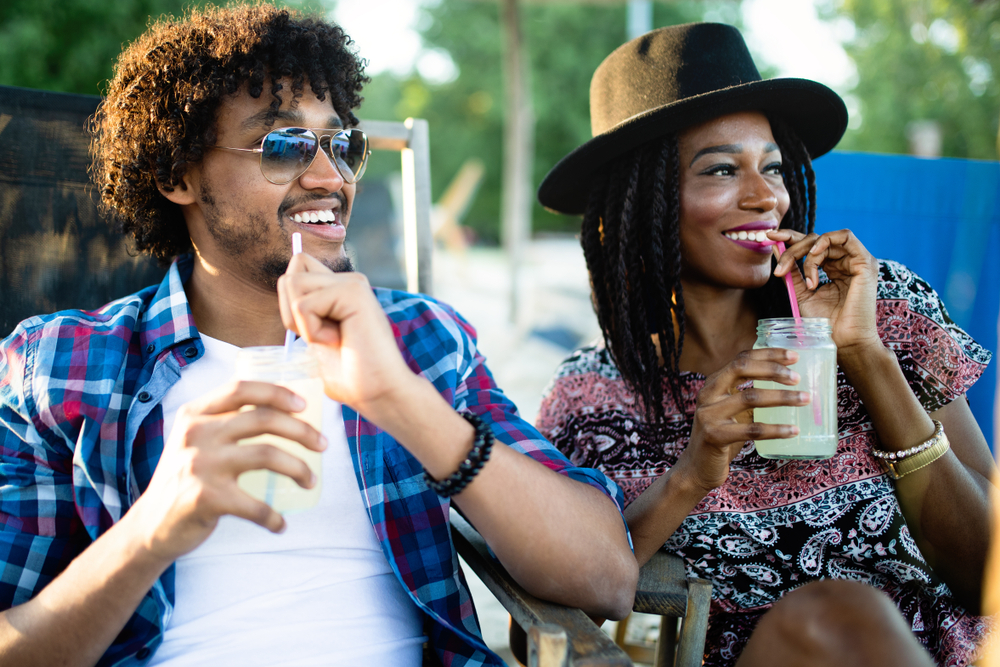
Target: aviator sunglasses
point(286, 153)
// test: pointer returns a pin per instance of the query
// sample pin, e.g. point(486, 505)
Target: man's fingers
point(235, 395)
point(246, 507)
point(244, 458)
point(268, 421)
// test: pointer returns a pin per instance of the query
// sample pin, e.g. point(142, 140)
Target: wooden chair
point(560, 636)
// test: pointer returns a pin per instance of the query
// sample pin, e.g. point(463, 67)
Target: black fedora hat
point(678, 76)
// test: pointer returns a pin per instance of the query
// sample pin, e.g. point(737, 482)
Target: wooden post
point(519, 148)
point(548, 646)
point(419, 242)
point(639, 18)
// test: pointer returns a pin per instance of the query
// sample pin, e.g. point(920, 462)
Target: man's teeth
point(315, 216)
point(748, 236)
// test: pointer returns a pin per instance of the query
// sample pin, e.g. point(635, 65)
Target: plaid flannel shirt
point(81, 431)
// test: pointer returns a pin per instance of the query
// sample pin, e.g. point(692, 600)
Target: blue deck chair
point(939, 217)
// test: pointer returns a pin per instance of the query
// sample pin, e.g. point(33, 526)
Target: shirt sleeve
point(444, 334)
point(939, 359)
point(40, 531)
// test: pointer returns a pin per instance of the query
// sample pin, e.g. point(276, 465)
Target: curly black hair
point(631, 242)
point(159, 113)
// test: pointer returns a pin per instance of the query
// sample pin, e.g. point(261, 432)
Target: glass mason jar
point(817, 369)
point(298, 371)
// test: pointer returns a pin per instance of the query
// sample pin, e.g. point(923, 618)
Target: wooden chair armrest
point(664, 588)
point(587, 643)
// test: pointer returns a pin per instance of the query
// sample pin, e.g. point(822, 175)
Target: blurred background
point(504, 86)
point(919, 76)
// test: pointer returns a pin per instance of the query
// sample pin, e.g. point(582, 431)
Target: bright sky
point(778, 31)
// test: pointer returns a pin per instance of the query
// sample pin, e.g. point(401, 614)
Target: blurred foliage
point(565, 42)
point(921, 60)
point(71, 45)
point(917, 60)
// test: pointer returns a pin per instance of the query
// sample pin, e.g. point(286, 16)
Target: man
point(125, 538)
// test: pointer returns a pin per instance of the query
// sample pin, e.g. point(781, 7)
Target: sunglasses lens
point(287, 154)
point(350, 149)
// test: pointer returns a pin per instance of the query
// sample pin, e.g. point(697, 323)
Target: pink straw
point(789, 285)
point(289, 334)
point(793, 300)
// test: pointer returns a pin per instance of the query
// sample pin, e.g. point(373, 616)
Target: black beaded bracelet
point(482, 445)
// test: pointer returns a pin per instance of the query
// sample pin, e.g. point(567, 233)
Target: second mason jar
point(297, 370)
point(817, 369)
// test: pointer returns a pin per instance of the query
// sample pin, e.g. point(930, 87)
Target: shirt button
point(150, 348)
point(144, 396)
point(142, 653)
point(191, 352)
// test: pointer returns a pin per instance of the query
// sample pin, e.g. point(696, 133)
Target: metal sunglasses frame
point(327, 133)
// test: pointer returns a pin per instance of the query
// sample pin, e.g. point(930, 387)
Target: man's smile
point(315, 216)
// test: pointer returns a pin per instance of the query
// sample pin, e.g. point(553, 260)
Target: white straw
point(289, 334)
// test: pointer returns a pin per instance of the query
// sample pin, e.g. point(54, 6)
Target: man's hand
point(339, 315)
point(195, 480)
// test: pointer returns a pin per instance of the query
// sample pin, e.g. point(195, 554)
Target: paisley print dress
point(776, 525)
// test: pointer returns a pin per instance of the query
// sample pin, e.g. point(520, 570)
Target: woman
point(690, 148)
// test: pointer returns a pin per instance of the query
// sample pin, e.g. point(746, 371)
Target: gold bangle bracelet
point(900, 464)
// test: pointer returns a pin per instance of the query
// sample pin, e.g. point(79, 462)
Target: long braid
point(674, 243)
point(662, 276)
point(621, 244)
point(591, 237)
point(631, 243)
point(636, 308)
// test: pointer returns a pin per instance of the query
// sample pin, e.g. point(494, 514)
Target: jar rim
point(790, 326)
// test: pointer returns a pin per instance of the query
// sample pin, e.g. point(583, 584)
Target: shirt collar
point(168, 320)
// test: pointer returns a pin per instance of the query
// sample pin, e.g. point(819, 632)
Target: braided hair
point(631, 242)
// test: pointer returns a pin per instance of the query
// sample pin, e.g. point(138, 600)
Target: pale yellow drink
point(817, 368)
point(299, 373)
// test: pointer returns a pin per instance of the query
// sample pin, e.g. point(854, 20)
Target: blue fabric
point(939, 217)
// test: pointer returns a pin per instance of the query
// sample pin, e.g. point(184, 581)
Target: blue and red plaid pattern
point(81, 431)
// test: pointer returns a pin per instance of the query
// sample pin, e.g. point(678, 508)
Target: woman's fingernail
point(298, 402)
point(794, 377)
point(323, 442)
point(792, 430)
point(803, 397)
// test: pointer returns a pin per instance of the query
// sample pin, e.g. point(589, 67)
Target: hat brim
point(816, 113)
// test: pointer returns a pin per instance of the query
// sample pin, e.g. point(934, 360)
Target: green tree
point(565, 41)
point(924, 60)
point(71, 45)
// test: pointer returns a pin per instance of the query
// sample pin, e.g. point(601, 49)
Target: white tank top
point(321, 593)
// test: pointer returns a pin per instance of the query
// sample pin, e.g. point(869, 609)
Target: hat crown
point(666, 66)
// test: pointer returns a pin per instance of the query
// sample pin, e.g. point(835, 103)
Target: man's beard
point(241, 241)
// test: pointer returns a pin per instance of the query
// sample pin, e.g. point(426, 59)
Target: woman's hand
point(723, 419)
point(848, 300)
